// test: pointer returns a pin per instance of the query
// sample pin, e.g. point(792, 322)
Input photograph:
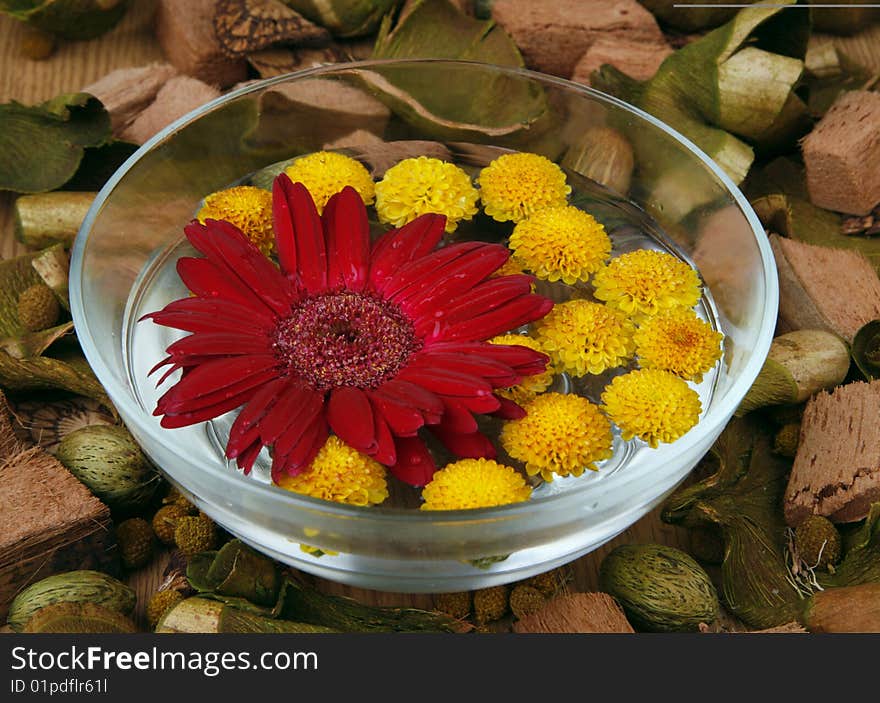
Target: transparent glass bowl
point(141, 211)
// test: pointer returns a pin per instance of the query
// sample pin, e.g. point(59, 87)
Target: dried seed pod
point(490, 604)
point(135, 537)
point(243, 26)
point(785, 443)
point(195, 534)
point(78, 618)
point(160, 603)
point(458, 605)
point(525, 600)
point(818, 542)
point(164, 522)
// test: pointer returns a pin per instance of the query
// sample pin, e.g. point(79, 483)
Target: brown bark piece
point(824, 288)
point(840, 154)
point(185, 31)
point(552, 36)
point(576, 612)
point(179, 95)
point(56, 524)
point(126, 92)
point(639, 60)
point(836, 471)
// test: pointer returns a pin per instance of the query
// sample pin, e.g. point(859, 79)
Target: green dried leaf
point(861, 563)
point(737, 80)
point(345, 18)
point(67, 370)
point(70, 19)
point(34, 343)
point(690, 19)
point(488, 105)
point(866, 350)
point(241, 572)
point(744, 499)
point(41, 147)
point(16, 276)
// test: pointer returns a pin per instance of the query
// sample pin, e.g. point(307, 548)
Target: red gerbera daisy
point(373, 342)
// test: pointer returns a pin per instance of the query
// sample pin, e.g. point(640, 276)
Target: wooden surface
point(77, 64)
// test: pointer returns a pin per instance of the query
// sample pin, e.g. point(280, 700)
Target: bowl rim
point(718, 413)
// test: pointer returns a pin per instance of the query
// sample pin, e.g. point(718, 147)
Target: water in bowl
point(629, 227)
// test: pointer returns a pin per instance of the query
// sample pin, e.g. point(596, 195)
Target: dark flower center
point(345, 339)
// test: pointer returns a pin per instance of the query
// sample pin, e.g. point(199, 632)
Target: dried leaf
point(16, 276)
point(70, 19)
point(690, 19)
point(830, 72)
point(345, 18)
point(34, 343)
point(861, 563)
point(67, 370)
point(866, 350)
point(41, 147)
point(470, 106)
point(743, 498)
point(737, 80)
point(243, 26)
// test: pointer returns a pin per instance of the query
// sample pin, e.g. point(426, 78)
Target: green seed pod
point(71, 587)
point(108, 460)
point(660, 588)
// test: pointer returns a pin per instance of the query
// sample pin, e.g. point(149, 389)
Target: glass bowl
point(646, 171)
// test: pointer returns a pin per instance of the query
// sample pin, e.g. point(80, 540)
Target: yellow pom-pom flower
point(680, 342)
point(474, 483)
point(561, 243)
point(583, 337)
point(515, 186)
point(325, 173)
point(560, 435)
point(246, 207)
point(653, 405)
point(341, 474)
point(531, 385)
point(645, 282)
point(422, 185)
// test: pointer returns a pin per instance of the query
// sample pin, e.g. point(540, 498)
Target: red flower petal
point(207, 344)
point(296, 406)
point(403, 420)
point(497, 374)
point(184, 419)
point(247, 458)
point(212, 381)
point(398, 247)
point(351, 418)
point(204, 279)
point(457, 418)
point(386, 452)
point(514, 314)
point(523, 360)
point(482, 298)
point(469, 271)
point(203, 315)
point(469, 446)
point(446, 382)
point(415, 276)
point(282, 224)
point(348, 240)
point(310, 269)
point(415, 465)
point(509, 410)
point(411, 395)
point(234, 254)
point(295, 431)
point(303, 452)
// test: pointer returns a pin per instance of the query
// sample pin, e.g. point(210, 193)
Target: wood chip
point(178, 96)
point(126, 92)
point(185, 31)
point(576, 612)
point(552, 36)
point(243, 26)
point(57, 524)
point(841, 154)
point(637, 59)
point(824, 288)
point(836, 471)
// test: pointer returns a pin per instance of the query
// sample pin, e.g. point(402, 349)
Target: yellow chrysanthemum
point(531, 385)
point(246, 207)
point(474, 483)
point(341, 474)
point(420, 185)
point(325, 173)
point(561, 243)
point(656, 406)
point(583, 337)
point(645, 282)
point(680, 342)
point(560, 434)
point(515, 186)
